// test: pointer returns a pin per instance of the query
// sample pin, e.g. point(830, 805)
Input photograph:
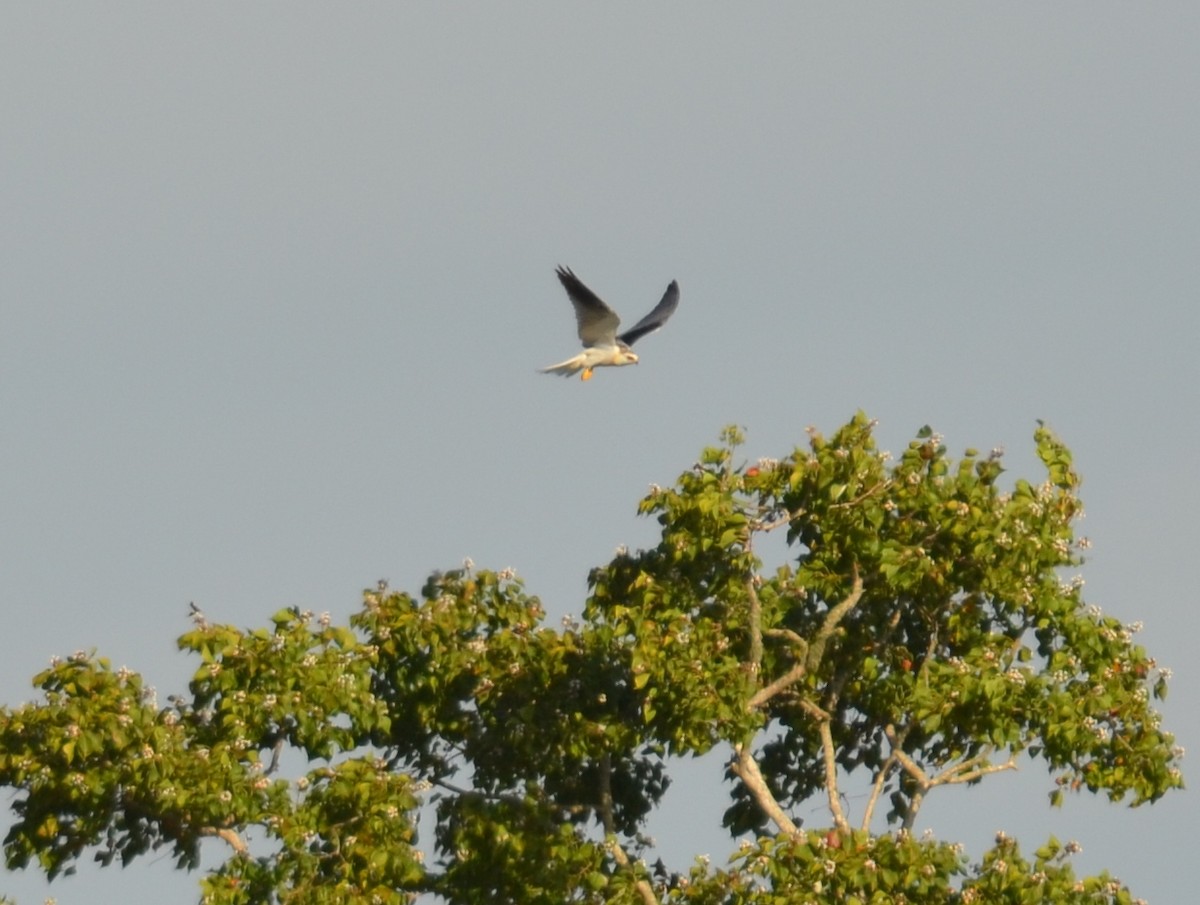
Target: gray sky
point(275, 281)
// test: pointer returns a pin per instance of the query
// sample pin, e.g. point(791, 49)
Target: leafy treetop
point(920, 634)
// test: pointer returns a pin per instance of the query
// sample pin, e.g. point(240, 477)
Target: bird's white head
point(628, 357)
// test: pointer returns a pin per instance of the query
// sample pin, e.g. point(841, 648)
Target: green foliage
point(922, 632)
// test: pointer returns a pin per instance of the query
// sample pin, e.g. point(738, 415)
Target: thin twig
point(950, 778)
point(930, 650)
point(877, 790)
point(515, 800)
point(969, 763)
point(786, 519)
point(862, 496)
point(971, 769)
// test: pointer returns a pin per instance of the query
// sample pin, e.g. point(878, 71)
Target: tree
point(919, 635)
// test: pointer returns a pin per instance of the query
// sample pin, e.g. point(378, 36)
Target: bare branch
point(606, 818)
point(930, 650)
point(756, 643)
point(745, 768)
point(787, 634)
point(877, 790)
point(606, 799)
point(785, 519)
point(772, 525)
point(276, 751)
point(959, 774)
point(789, 678)
point(862, 496)
point(914, 806)
point(816, 649)
point(236, 842)
point(911, 767)
point(813, 710)
point(831, 781)
point(971, 769)
point(645, 890)
point(834, 687)
point(515, 800)
point(968, 764)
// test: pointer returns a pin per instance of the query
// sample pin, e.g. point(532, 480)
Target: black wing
point(596, 321)
point(655, 318)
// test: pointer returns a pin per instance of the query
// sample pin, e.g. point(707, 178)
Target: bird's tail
point(568, 368)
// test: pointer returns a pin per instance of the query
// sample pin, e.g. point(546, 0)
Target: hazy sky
point(275, 280)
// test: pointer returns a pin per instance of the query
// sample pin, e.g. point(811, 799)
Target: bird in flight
point(602, 346)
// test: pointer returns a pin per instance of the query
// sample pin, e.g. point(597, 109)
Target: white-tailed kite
point(598, 323)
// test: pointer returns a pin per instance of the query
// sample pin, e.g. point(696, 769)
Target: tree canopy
point(922, 631)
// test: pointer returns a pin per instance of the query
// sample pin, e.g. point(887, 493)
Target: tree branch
point(276, 751)
point(788, 634)
point(911, 767)
point(755, 620)
point(816, 649)
point(813, 710)
point(967, 772)
point(791, 677)
point(515, 800)
point(236, 842)
point(765, 694)
point(971, 769)
point(645, 890)
point(877, 790)
point(914, 805)
point(862, 496)
point(786, 518)
point(606, 799)
point(745, 768)
point(831, 781)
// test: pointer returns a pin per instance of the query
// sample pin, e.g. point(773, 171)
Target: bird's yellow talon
point(586, 375)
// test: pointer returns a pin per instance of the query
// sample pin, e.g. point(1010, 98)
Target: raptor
point(602, 345)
